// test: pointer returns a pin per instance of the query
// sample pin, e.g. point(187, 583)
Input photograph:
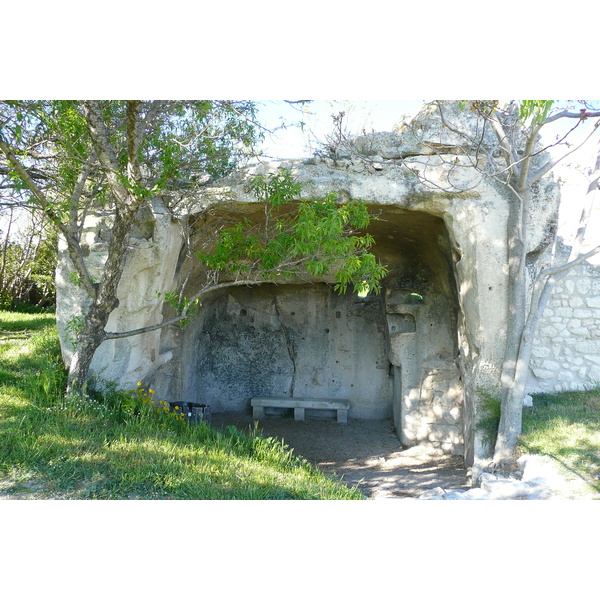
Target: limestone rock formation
point(419, 352)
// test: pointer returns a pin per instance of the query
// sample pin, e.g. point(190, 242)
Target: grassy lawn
point(115, 446)
point(566, 427)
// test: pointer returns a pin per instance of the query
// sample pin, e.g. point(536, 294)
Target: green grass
point(566, 427)
point(114, 446)
point(563, 426)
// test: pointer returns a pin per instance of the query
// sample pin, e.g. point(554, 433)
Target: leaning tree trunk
point(106, 300)
point(88, 341)
point(127, 204)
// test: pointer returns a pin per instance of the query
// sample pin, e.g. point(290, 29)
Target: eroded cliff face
point(420, 351)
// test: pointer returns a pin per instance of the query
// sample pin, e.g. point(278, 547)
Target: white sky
point(377, 115)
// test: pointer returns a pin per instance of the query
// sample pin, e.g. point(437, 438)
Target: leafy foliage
point(180, 143)
point(28, 251)
point(298, 238)
point(538, 109)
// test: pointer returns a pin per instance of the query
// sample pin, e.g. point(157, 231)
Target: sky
point(377, 115)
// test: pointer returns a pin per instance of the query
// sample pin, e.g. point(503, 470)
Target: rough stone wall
point(440, 412)
point(301, 341)
point(428, 396)
point(149, 268)
point(566, 355)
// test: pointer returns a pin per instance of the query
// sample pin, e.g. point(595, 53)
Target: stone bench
point(299, 405)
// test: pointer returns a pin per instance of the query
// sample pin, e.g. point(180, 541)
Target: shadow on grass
point(126, 461)
point(100, 447)
point(565, 428)
point(15, 325)
point(84, 451)
point(585, 455)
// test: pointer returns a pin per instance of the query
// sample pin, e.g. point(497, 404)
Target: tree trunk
point(509, 427)
point(94, 333)
point(514, 381)
point(90, 338)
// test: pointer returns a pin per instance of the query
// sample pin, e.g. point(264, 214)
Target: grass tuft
point(488, 418)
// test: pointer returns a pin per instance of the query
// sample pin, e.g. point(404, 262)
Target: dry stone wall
point(566, 355)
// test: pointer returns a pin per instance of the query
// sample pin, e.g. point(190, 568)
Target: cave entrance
point(421, 312)
point(392, 354)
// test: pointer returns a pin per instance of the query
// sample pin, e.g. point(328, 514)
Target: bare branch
point(75, 251)
point(569, 265)
point(551, 164)
point(565, 114)
point(134, 134)
point(104, 149)
point(526, 164)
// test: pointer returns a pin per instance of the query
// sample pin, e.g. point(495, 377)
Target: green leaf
point(538, 109)
point(309, 237)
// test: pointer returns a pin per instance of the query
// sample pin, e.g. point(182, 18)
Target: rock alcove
point(391, 354)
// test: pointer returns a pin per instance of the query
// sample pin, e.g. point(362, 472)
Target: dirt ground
point(363, 452)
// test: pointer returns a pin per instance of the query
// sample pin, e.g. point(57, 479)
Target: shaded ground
point(363, 452)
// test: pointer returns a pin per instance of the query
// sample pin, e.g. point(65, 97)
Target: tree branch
point(133, 137)
point(565, 114)
point(551, 164)
point(75, 251)
point(104, 149)
point(507, 148)
point(183, 315)
point(526, 164)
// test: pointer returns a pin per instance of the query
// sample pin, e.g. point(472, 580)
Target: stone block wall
point(566, 353)
point(441, 410)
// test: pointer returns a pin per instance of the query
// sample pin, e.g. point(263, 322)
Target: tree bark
point(509, 427)
point(88, 342)
point(515, 379)
point(127, 204)
point(105, 301)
